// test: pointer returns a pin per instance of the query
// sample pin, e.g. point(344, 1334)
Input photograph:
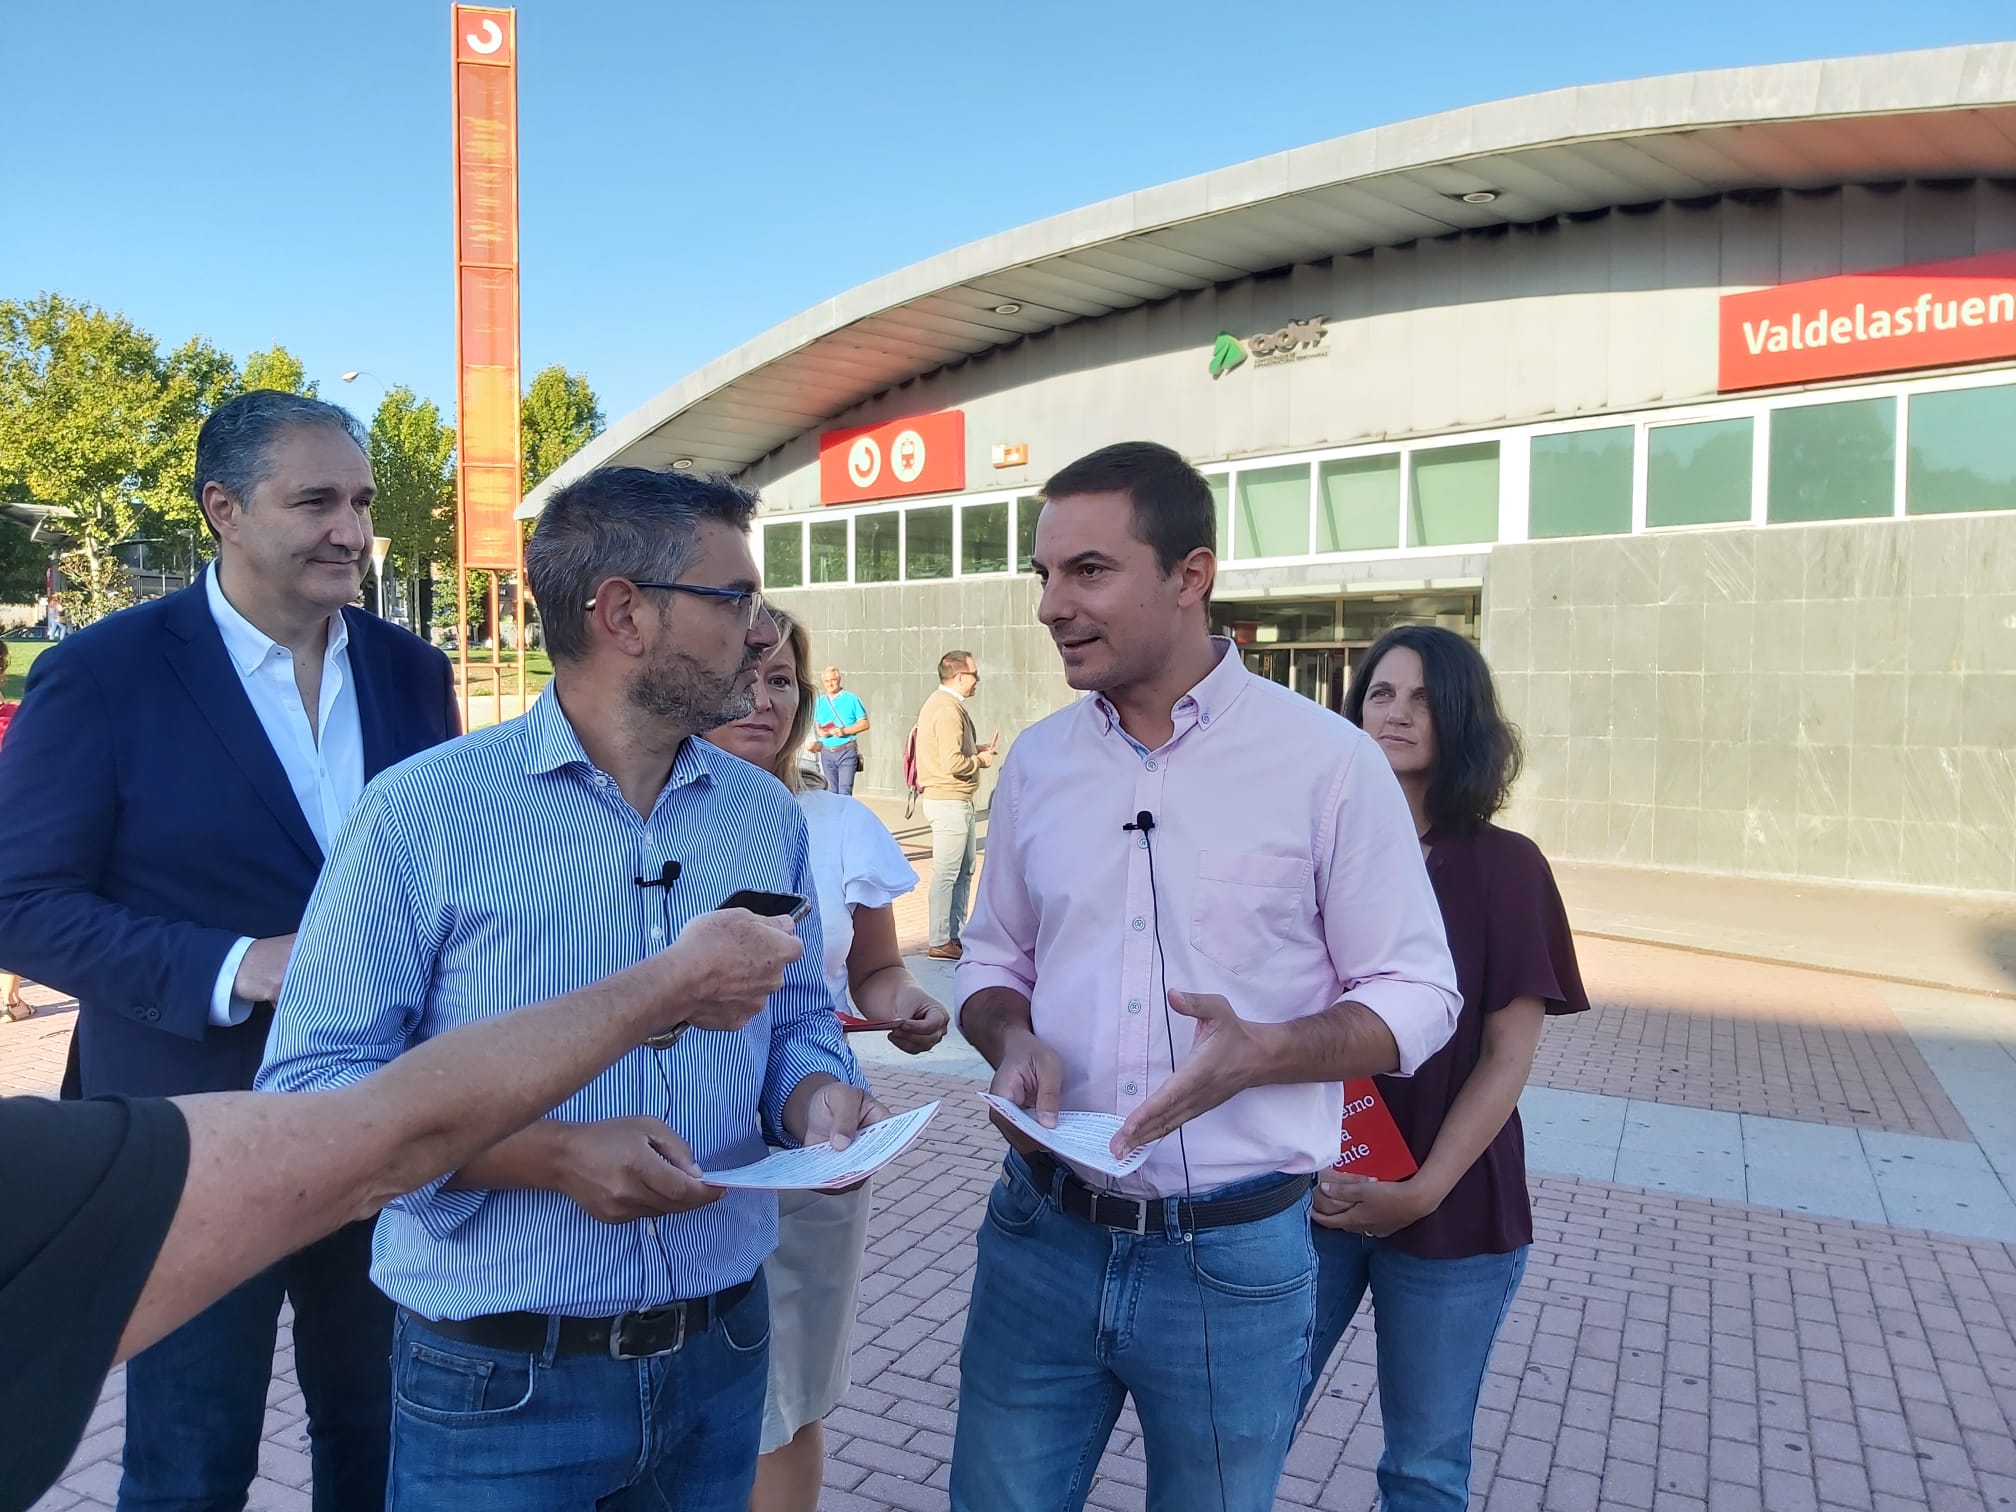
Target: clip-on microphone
point(667, 875)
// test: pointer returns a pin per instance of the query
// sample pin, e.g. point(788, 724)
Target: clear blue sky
point(694, 172)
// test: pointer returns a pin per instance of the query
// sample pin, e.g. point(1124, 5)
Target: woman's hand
point(1360, 1205)
point(923, 1021)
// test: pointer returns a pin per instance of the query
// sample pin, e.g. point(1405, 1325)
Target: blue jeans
point(1435, 1322)
point(1069, 1318)
point(551, 1432)
point(196, 1401)
point(840, 763)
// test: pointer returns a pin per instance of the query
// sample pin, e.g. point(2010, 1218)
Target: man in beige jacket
point(949, 760)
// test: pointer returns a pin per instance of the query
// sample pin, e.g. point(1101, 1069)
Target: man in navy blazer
point(172, 782)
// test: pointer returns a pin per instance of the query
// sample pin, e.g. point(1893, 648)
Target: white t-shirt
point(856, 863)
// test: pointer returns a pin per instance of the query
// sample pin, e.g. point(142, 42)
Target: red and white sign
point(1372, 1144)
point(923, 454)
point(1932, 315)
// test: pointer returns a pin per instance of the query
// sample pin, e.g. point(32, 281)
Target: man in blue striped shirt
point(582, 1318)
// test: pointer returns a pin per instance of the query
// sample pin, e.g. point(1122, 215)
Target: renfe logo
point(1932, 315)
point(919, 455)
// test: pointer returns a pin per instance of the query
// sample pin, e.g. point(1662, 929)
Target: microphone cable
point(1145, 823)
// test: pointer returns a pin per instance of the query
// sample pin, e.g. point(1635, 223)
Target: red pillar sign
point(486, 285)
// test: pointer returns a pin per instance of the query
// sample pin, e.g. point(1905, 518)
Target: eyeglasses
point(747, 602)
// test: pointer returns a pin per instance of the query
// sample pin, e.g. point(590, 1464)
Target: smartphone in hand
point(770, 905)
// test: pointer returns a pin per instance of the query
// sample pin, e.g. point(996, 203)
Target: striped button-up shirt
point(496, 871)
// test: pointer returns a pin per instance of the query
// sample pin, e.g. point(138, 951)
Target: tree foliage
point(278, 368)
point(23, 563)
point(560, 415)
point(413, 462)
point(82, 428)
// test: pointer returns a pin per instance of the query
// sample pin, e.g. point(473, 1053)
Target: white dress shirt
point(324, 764)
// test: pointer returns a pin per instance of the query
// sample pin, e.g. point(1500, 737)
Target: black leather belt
point(629, 1336)
point(1149, 1215)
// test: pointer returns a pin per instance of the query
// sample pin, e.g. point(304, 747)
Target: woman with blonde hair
point(859, 872)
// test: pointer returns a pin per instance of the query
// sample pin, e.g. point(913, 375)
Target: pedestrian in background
point(949, 762)
point(840, 719)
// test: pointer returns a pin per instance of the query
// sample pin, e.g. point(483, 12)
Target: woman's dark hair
point(1477, 752)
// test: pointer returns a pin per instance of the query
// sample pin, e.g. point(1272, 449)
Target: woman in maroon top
point(1443, 1251)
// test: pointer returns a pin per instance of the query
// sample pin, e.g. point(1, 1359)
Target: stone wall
point(1832, 702)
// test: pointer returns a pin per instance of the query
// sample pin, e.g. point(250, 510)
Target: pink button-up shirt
point(1286, 876)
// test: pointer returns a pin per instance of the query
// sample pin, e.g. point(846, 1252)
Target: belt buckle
point(1140, 1229)
point(619, 1332)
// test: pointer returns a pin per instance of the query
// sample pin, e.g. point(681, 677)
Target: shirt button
point(1133, 1005)
point(657, 934)
point(1128, 1089)
point(1139, 923)
point(1206, 719)
point(1151, 766)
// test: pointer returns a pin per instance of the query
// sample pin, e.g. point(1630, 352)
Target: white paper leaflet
point(1084, 1139)
point(821, 1168)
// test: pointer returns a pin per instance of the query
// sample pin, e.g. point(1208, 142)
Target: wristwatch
point(668, 1039)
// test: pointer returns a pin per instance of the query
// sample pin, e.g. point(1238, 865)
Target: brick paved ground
point(1745, 1037)
point(1663, 1354)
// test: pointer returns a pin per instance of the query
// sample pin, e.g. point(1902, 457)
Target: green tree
point(195, 379)
point(560, 415)
point(81, 428)
point(413, 462)
point(23, 562)
point(278, 368)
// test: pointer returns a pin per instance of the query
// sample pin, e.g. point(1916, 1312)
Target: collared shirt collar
point(1214, 694)
point(244, 642)
point(551, 745)
point(948, 688)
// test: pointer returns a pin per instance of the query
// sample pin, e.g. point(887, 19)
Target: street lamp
point(381, 547)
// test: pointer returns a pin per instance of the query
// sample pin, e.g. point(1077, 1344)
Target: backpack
point(913, 790)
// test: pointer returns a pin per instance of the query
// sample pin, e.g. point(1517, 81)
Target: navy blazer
point(149, 824)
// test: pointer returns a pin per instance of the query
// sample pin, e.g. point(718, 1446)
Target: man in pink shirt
point(1204, 906)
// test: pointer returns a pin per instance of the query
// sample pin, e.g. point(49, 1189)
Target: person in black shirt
point(127, 1218)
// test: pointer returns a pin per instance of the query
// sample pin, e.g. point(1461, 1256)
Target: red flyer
point(852, 1024)
point(1371, 1145)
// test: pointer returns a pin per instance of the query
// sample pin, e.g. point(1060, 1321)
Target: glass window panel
point(1698, 474)
point(1455, 496)
point(927, 551)
point(876, 558)
point(983, 538)
point(1963, 451)
point(829, 551)
point(1581, 483)
point(1833, 461)
point(784, 554)
point(1358, 504)
point(1221, 507)
point(1026, 509)
point(1272, 517)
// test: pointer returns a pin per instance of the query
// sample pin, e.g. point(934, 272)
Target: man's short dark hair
point(1173, 509)
point(633, 522)
point(952, 663)
point(233, 446)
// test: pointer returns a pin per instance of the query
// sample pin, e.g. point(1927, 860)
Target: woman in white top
point(859, 872)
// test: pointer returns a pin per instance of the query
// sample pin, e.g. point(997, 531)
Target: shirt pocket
point(1248, 906)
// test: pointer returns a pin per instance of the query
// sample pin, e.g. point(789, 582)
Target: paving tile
point(1673, 1348)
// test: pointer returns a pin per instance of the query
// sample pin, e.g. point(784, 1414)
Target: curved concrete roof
point(1947, 113)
